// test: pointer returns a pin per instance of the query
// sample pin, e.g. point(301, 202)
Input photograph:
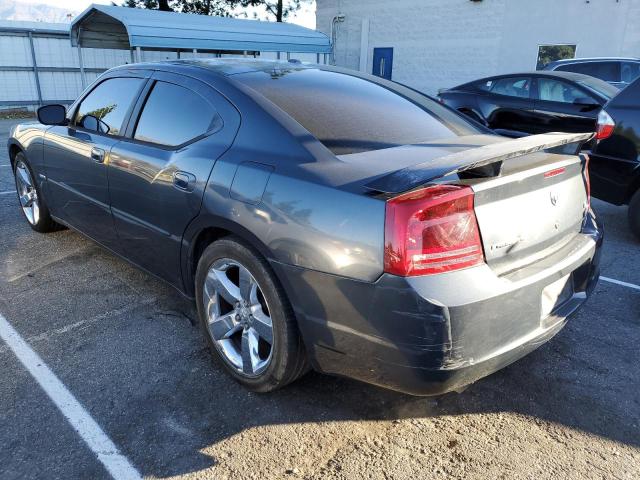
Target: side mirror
point(91, 122)
point(585, 102)
point(52, 115)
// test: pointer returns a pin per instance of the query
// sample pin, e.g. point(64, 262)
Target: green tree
point(278, 10)
point(150, 4)
point(100, 113)
point(551, 53)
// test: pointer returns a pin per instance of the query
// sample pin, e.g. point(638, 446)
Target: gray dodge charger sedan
point(321, 218)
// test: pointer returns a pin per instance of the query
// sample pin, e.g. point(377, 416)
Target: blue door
point(383, 62)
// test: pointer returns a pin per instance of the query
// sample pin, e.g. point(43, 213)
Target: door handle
point(97, 154)
point(184, 181)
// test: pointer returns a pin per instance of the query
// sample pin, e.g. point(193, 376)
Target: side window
point(512, 87)
point(607, 71)
point(173, 115)
point(630, 71)
point(104, 109)
point(484, 85)
point(551, 90)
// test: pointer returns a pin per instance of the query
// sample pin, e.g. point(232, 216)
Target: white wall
point(442, 43)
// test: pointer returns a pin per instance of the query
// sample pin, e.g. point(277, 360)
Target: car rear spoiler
point(494, 154)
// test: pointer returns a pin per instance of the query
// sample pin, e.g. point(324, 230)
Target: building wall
point(442, 43)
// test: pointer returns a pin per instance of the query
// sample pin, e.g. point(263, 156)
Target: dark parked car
point(321, 217)
point(615, 164)
point(531, 103)
point(619, 72)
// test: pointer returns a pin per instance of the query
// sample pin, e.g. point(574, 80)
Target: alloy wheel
point(27, 193)
point(238, 317)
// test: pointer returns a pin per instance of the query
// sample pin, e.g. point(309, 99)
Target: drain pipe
point(339, 18)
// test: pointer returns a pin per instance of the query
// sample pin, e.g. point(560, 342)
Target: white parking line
point(7, 192)
point(618, 282)
point(5, 165)
point(115, 463)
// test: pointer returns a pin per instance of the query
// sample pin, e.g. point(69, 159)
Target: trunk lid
point(535, 207)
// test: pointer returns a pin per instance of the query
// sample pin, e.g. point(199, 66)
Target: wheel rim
point(27, 193)
point(238, 317)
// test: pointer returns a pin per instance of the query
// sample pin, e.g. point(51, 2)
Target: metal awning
point(102, 26)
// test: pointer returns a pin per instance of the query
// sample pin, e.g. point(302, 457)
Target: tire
point(32, 202)
point(241, 315)
point(634, 214)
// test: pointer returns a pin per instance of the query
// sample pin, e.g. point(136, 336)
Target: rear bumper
point(433, 334)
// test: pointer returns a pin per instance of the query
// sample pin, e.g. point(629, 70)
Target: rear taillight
point(431, 230)
point(605, 125)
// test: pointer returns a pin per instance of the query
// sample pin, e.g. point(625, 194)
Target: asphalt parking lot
point(128, 349)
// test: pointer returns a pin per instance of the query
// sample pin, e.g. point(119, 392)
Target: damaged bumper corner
point(434, 334)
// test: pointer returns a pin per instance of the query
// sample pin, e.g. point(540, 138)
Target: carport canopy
point(102, 26)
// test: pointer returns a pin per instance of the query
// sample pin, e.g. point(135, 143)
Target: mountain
point(34, 12)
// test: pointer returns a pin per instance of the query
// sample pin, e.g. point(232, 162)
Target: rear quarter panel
point(301, 212)
point(302, 223)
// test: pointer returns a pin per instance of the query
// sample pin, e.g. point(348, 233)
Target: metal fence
point(38, 65)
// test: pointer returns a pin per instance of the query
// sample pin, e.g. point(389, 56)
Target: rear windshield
point(349, 114)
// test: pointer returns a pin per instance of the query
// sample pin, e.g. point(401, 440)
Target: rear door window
point(173, 115)
point(607, 71)
point(551, 90)
point(512, 87)
point(484, 85)
point(350, 114)
point(106, 107)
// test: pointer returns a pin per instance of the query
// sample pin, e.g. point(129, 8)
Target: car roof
point(227, 66)
point(593, 59)
point(539, 73)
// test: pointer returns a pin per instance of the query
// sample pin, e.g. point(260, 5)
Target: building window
point(551, 53)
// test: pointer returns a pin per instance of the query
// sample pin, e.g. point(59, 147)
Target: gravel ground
point(128, 349)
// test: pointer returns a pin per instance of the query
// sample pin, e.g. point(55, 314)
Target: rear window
point(607, 71)
point(349, 114)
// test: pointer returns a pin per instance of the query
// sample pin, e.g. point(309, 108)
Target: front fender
point(28, 138)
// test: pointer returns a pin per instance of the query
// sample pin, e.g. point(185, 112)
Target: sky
point(305, 16)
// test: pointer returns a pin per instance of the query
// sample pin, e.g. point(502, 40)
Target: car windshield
point(351, 114)
point(600, 87)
